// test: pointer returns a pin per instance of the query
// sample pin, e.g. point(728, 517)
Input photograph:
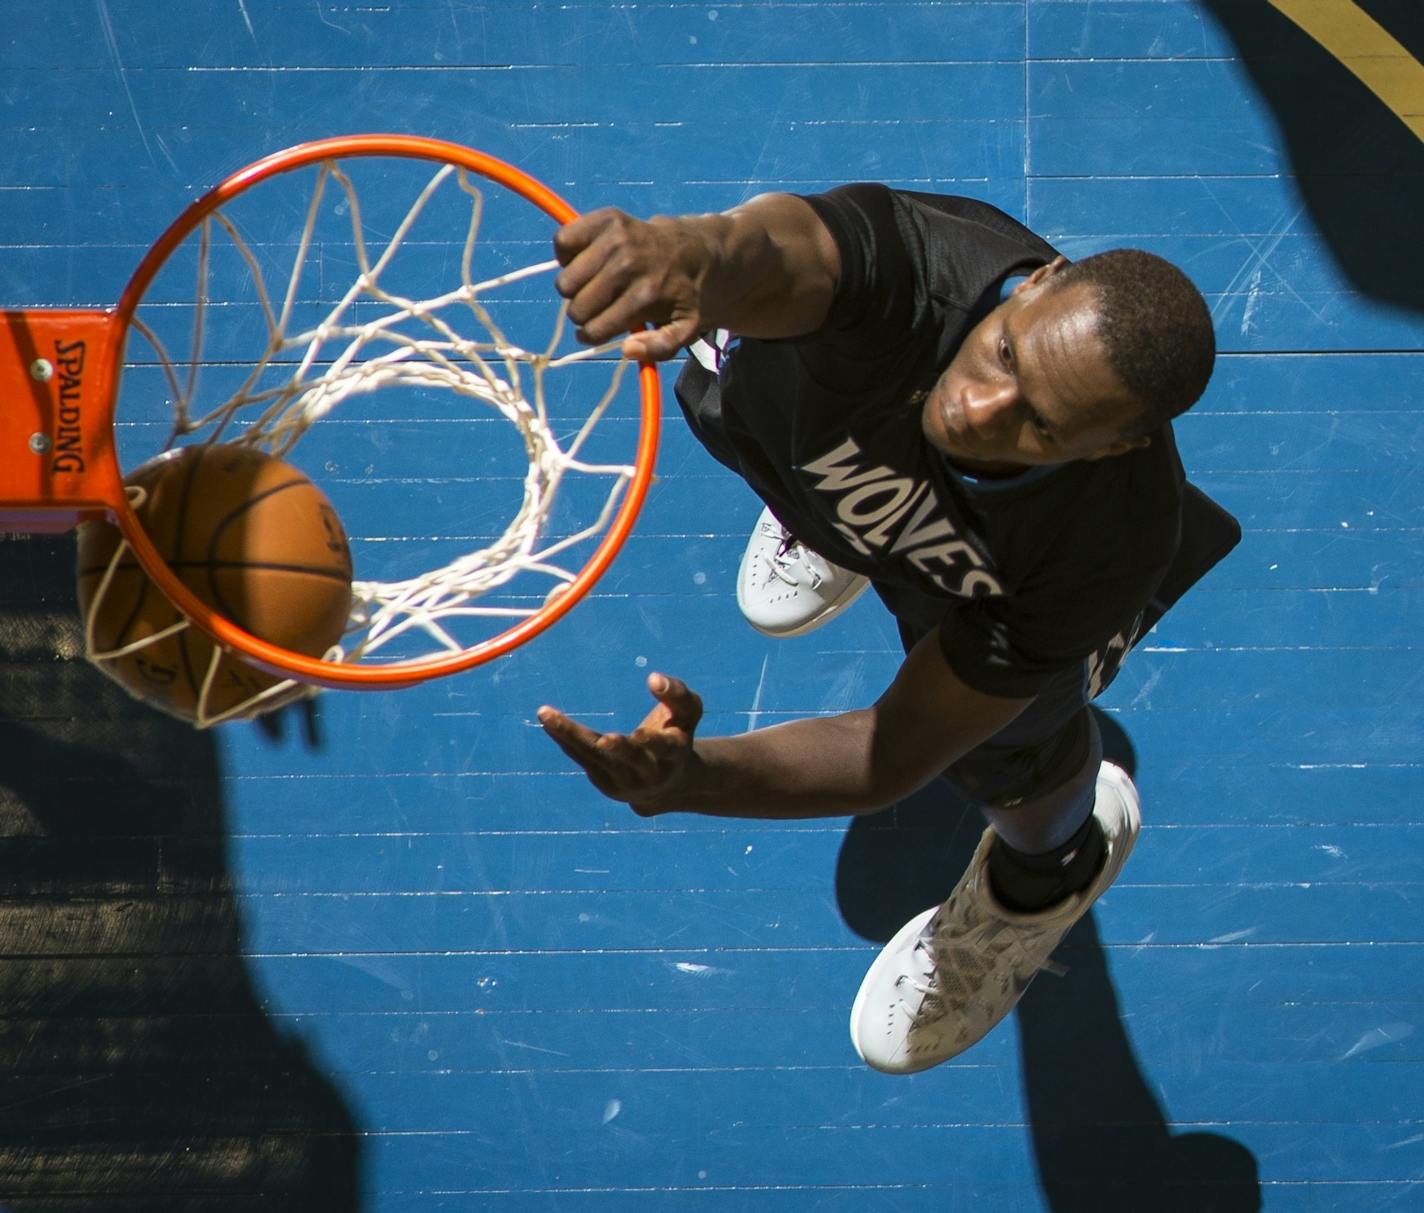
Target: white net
point(321, 348)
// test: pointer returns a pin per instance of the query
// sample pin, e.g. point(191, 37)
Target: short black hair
point(1155, 326)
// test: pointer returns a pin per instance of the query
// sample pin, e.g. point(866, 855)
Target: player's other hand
point(647, 768)
point(621, 273)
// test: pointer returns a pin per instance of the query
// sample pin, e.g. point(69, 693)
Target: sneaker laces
point(791, 553)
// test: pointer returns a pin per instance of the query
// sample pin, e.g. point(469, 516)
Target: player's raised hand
point(621, 273)
point(645, 768)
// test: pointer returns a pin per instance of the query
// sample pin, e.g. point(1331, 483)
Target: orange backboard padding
point(57, 380)
point(36, 420)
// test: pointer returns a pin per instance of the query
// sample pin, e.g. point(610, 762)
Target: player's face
point(1031, 385)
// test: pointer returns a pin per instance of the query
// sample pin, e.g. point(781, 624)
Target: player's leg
point(1037, 793)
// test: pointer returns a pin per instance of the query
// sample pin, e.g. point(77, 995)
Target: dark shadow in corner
point(1100, 1139)
point(1359, 169)
point(140, 1072)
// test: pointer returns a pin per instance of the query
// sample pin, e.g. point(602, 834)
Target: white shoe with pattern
point(955, 971)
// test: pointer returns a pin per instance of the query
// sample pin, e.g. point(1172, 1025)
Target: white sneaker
point(784, 588)
point(952, 973)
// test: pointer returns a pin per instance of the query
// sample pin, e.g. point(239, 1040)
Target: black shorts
point(1043, 747)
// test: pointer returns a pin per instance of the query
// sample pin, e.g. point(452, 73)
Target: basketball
point(253, 539)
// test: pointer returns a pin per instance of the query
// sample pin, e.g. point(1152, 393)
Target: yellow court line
point(1355, 38)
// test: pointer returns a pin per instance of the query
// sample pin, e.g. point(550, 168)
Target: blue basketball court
point(390, 953)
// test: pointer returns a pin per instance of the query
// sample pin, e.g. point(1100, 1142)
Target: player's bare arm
point(833, 766)
point(767, 268)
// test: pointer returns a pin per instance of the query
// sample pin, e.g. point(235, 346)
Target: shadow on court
point(139, 1071)
point(1100, 1137)
point(1359, 169)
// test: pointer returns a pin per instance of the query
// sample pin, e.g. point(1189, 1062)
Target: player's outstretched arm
point(767, 268)
point(831, 766)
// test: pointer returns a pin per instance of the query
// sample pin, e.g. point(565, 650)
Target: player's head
point(1154, 325)
point(1082, 361)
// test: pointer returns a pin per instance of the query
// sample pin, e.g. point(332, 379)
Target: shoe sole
point(904, 936)
point(1122, 784)
point(823, 616)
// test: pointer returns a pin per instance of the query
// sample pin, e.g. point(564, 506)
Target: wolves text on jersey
point(883, 513)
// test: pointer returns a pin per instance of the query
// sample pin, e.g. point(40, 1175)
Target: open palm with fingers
point(646, 768)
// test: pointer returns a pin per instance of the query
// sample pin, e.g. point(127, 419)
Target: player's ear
point(1120, 447)
point(1040, 275)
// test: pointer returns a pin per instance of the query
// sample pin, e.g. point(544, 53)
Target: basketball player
point(930, 401)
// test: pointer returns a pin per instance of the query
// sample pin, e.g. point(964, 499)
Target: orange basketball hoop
point(321, 343)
